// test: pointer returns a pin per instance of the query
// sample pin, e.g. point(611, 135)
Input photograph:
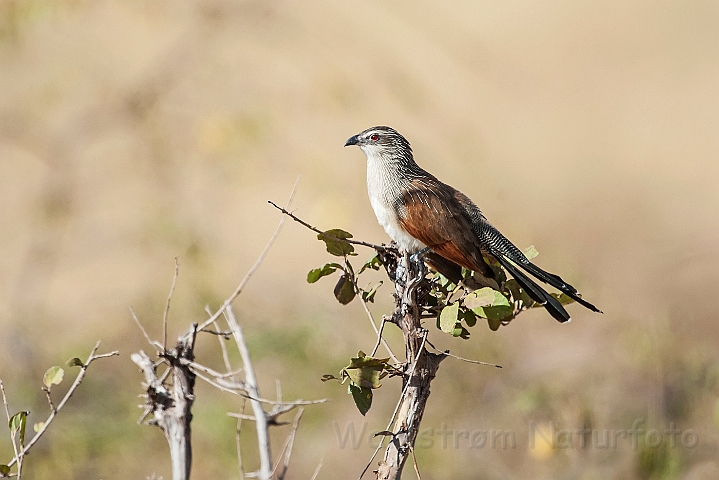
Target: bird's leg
point(416, 261)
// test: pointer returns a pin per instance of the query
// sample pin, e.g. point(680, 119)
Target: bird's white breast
point(383, 194)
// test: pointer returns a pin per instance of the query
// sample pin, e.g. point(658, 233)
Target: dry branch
point(419, 370)
point(171, 407)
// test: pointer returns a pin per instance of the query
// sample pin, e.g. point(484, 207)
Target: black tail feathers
point(557, 282)
point(535, 292)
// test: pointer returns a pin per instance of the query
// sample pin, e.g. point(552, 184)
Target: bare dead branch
point(196, 366)
point(317, 470)
point(263, 439)
point(171, 407)
point(286, 452)
point(153, 344)
point(235, 389)
point(237, 444)
point(402, 398)
point(241, 416)
point(167, 306)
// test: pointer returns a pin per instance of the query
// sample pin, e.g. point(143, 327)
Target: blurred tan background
point(135, 131)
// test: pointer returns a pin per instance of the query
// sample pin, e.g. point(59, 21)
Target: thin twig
point(401, 398)
point(197, 366)
point(220, 386)
point(221, 334)
point(261, 427)
point(254, 268)
point(317, 470)
point(237, 443)
point(152, 343)
point(379, 337)
point(317, 230)
point(167, 306)
point(12, 435)
point(377, 331)
point(76, 383)
point(223, 346)
point(287, 447)
point(446, 352)
point(241, 416)
point(49, 399)
point(414, 460)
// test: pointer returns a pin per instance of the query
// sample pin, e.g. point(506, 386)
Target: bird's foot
point(419, 256)
point(417, 269)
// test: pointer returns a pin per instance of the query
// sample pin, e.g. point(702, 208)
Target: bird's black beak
point(352, 141)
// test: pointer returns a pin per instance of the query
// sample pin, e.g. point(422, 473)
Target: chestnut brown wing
point(432, 215)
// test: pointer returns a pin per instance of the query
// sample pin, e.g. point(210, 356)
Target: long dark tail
point(535, 292)
point(557, 282)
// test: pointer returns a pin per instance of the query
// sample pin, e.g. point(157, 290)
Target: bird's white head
point(382, 143)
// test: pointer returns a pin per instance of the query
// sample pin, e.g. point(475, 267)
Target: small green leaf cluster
point(18, 422)
point(364, 374)
point(459, 310)
point(347, 287)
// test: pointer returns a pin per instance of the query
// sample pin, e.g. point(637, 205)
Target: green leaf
point(366, 371)
point(334, 246)
point(469, 317)
point(362, 397)
point(518, 292)
point(317, 273)
point(530, 252)
point(4, 470)
point(362, 360)
point(75, 362)
point(368, 377)
point(498, 310)
point(344, 290)
point(373, 263)
point(368, 296)
point(17, 424)
point(460, 331)
point(53, 376)
point(448, 317)
point(38, 426)
point(481, 298)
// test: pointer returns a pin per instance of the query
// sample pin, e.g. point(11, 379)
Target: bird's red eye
point(374, 137)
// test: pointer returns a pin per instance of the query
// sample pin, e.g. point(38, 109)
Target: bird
point(429, 218)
